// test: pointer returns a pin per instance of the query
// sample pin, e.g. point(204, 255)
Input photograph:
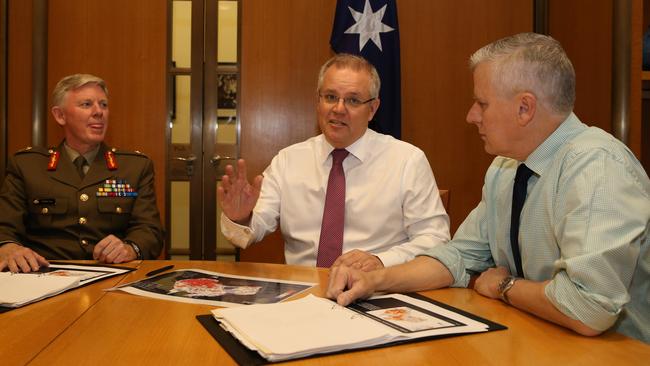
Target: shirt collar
point(539, 159)
point(359, 149)
point(89, 156)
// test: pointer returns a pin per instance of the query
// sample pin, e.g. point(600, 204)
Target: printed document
point(312, 325)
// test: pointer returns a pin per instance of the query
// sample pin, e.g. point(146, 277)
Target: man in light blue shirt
point(583, 235)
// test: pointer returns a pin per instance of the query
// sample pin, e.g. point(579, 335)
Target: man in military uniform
point(82, 199)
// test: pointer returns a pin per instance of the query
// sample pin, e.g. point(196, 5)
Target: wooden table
point(25, 331)
point(87, 326)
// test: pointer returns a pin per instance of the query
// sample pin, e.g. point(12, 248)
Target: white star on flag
point(368, 25)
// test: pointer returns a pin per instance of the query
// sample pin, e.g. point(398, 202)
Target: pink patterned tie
point(331, 232)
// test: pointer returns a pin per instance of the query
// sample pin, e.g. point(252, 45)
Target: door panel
point(205, 139)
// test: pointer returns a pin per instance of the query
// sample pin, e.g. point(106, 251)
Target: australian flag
point(369, 28)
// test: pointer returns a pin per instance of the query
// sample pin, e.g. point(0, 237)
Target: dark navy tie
point(518, 198)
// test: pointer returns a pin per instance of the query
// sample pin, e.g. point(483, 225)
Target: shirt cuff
point(389, 259)
point(590, 309)
point(239, 235)
point(450, 258)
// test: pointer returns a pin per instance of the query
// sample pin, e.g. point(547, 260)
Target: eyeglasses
point(350, 102)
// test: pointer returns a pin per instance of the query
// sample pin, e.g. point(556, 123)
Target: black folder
point(244, 356)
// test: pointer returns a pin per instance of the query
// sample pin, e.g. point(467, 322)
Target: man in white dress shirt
point(393, 210)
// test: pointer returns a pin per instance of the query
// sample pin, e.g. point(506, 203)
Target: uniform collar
point(89, 156)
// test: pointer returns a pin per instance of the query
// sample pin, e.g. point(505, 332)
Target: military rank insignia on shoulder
point(129, 153)
point(34, 149)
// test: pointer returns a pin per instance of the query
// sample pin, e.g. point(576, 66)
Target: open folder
point(314, 325)
point(19, 289)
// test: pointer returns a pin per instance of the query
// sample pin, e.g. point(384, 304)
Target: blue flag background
point(374, 29)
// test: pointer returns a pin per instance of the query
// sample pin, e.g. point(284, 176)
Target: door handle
point(189, 163)
point(190, 159)
point(218, 158)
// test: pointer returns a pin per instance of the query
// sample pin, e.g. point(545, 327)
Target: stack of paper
point(313, 325)
point(18, 289)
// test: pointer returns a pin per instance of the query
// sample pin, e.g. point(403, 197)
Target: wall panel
point(19, 75)
point(585, 30)
point(437, 38)
point(283, 42)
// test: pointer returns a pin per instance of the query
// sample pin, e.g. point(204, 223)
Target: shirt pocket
point(117, 208)
point(45, 213)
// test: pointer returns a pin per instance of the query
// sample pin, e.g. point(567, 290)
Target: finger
point(119, 254)
point(229, 171)
point(257, 183)
point(355, 292)
point(3, 264)
point(337, 281)
point(99, 248)
point(41, 260)
point(109, 252)
point(13, 266)
point(22, 265)
point(112, 254)
point(221, 195)
point(241, 170)
point(122, 257)
point(226, 184)
point(31, 260)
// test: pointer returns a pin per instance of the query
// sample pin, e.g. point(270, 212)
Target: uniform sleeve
point(145, 228)
point(424, 217)
point(12, 205)
point(601, 219)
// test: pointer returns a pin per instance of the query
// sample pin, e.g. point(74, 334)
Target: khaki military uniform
point(60, 215)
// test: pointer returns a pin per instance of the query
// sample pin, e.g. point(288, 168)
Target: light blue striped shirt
point(584, 225)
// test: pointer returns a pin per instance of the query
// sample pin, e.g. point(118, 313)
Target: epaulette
point(35, 149)
point(127, 152)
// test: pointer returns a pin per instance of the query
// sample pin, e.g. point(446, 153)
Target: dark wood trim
point(621, 73)
point(209, 131)
point(540, 17)
point(168, 132)
point(39, 73)
point(196, 121)
point(3, 86)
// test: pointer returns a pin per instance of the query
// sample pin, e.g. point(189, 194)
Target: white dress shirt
point(392, 204)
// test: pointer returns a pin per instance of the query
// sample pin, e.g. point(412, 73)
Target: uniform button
point(118, 209)
point(83, 220)
point(36, 202)
point(84, 242)
point(44, 210)
point(83, 197)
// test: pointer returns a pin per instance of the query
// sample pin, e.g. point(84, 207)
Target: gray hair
point(72, 82)
point(356, 63)
point(534, 63)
